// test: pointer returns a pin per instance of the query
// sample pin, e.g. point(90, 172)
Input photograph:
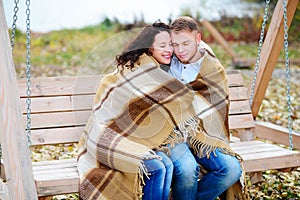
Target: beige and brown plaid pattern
point(139, 110)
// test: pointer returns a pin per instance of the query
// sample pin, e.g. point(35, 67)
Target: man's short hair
point(184, 23)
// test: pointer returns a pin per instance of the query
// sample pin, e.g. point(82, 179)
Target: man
point(195, 65)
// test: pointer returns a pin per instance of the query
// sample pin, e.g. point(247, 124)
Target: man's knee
point(188, 168)
point(232, 173)
point(236, 171)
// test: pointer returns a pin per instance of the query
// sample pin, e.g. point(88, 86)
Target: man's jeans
point(157, 186)
point(223, 171)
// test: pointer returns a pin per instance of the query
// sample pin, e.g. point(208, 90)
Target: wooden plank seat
point(60, 107)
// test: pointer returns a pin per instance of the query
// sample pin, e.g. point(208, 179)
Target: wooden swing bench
point(61, 107)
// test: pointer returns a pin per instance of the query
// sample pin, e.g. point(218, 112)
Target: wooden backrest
point(240, 116)
point(60, 106)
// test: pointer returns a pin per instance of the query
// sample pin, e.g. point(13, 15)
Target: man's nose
point(179, 48)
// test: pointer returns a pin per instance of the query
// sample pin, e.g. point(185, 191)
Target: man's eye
point(186, 43)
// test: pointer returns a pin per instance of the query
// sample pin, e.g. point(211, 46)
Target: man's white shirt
point(185, 72)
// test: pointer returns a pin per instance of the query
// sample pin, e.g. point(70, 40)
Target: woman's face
point(162, 48)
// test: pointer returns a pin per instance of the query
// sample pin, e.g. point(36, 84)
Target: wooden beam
point(260, 156)
point(218, 37)
point(275, 133)
point(270, 51)
point(17, 163)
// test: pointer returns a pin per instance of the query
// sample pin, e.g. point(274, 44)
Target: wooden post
point(218, 37)
point(270, 51)
point(16, 156)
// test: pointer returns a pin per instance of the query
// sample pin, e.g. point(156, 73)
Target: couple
point(151, 130)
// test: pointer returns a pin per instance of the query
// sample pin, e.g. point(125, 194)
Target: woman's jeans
point(186, 172)
point(158, 183)
point(185, 175)
point(223, 171)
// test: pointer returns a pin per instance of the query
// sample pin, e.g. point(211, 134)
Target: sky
point(48, 15)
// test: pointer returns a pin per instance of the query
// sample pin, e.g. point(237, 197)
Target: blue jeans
point(157, 186)
point(223, 171)
point(186, 172)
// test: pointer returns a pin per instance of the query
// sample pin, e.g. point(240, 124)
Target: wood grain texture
point(15, 151)
point(270, 51)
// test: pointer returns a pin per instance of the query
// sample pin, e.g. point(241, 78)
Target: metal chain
point(28, 74)
point(262, 33)
point(287, 75)
point(14, 25)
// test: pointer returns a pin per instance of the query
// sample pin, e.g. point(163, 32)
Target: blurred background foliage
point(65, 50)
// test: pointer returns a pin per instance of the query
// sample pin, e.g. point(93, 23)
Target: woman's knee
point(166, 161)
point(154, 166)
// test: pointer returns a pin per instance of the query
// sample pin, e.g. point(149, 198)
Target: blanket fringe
point(171, 140)
point(189, 128)
point(186, 132)
point(201, 149)
point(140, 181)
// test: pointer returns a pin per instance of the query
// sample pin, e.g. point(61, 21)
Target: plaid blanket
point(139, 110)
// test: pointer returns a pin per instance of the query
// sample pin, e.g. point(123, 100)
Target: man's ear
point(198, 38)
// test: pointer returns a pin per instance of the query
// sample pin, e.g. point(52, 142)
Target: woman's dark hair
point(140, 45)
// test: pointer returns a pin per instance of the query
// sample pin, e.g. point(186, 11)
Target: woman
point(186, 170)
point(153, 41)
point(116, 152)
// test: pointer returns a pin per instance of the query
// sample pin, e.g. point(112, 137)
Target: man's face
point(185, 45)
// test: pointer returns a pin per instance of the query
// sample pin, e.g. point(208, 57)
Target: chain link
point(262, 33)
point(287, 75)
point(14, 25)
point(28, 74)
